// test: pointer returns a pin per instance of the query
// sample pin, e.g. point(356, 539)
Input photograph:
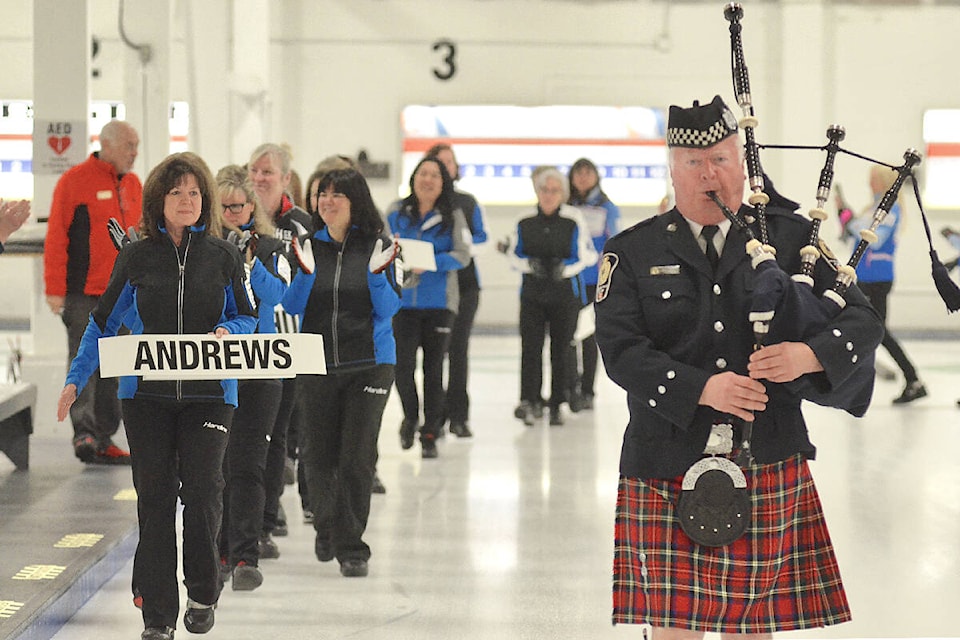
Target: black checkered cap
point(700, 126)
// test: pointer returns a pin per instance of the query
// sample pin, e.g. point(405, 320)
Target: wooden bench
point(17, 404)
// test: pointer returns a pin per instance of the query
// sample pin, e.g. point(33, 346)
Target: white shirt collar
point(696, 228)
point(718, 240)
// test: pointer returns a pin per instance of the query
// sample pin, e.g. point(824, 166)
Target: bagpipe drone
point(790, 298)
point(784, 307)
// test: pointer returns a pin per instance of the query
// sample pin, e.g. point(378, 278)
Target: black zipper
point(336, 301)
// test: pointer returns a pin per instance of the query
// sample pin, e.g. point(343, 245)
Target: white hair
point(541, 177)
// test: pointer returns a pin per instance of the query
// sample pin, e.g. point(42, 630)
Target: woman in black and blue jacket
point(457, 408)
point(242, 220)
point(177, 279)
point(602, 219)
point(430, 298)
point(551, 248)
point(347, 292)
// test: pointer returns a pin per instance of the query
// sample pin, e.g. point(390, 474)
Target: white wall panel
point(342, 70)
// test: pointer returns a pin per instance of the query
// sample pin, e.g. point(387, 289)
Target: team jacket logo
point(214, 425)
point(608, 263)
point(377, 391)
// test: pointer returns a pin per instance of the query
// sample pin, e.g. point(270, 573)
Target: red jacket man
point(78, 259)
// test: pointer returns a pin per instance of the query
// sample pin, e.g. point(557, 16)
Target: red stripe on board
point(943, 149)
point(423, 144)
point(93, 138)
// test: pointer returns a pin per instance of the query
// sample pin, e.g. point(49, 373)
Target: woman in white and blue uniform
point(602, 218)
point(875, 274)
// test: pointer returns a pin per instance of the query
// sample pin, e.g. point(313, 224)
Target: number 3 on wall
point(449, 59)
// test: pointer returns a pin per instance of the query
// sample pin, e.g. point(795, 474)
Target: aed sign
point(58, 145)
point(206, 357)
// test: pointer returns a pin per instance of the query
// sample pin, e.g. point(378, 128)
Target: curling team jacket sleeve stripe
point(582, 252)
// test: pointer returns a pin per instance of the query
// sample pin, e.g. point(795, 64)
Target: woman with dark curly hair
point(177, 279)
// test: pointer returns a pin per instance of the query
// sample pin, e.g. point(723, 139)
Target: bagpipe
point(714, 504)
point(785, 307)
point(790, 298)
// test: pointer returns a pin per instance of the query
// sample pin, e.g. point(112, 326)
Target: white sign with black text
point(206, 357)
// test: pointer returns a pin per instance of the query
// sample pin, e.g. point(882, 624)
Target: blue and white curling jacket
point(451, 247)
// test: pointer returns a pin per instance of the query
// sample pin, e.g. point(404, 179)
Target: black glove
point(546, 268)
point(117, 235)
point(240, 239)
point(246, 242)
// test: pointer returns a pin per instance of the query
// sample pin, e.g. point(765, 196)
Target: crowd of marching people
point(241, 250)
point(195, 253)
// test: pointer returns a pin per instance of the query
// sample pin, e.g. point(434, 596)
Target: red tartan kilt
point(781, 575)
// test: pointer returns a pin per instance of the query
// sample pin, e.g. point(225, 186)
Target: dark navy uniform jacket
point(665, 324)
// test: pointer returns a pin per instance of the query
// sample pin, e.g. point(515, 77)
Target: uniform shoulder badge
point(608, 263)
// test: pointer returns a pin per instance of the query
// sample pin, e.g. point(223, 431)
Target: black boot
point(913, 391)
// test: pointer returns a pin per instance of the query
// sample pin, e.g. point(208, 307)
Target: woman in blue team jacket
point(457, 408)
point(602, 220)
point(245, 223)
point(347, 292)
point(430, 298)
point(177, 279)
point(875, 274)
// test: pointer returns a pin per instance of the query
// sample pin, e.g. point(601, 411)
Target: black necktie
point(711, 249)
